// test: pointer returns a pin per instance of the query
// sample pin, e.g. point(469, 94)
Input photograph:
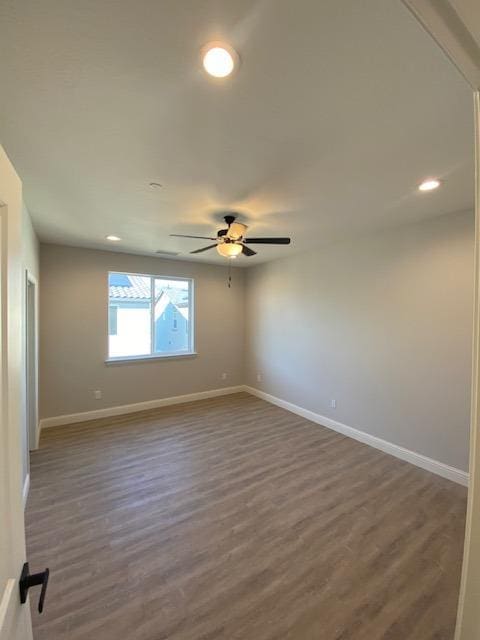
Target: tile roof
point(138, 288)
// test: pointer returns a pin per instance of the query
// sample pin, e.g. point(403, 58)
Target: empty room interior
point(238, 292)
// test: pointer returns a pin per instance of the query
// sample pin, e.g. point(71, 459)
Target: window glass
point(148, 315)
point(172, 306)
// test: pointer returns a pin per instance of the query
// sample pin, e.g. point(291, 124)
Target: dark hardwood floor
point(232, 519)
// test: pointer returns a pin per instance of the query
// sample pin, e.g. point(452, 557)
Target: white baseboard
point(419, 460)
point(26, 489)
point(108, 412)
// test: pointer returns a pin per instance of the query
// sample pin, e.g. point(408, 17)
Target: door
point(15, 622)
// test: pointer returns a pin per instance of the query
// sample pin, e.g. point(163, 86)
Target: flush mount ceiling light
point(429, 185)
point(113, 238)
point(219, 59)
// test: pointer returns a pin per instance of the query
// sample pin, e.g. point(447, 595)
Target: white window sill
point(146, 358)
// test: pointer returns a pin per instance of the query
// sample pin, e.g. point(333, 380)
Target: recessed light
point(219, 59)
point(113, 238)
point(429, 185)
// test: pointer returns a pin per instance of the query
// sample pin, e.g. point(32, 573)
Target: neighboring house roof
point(125, 287)
point(179, 297)
point(184, 309)
point(135, 288)
point(163, 302)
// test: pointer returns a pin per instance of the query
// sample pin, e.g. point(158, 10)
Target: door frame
point(468, 615)
point(33, 437)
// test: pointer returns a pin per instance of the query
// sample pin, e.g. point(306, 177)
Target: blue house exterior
point(171, 329)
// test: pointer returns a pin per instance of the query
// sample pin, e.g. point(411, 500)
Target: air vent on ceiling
point(167, 253)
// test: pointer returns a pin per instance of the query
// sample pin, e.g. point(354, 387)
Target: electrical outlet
point(333, 403)
point(259, 377)
point(97, 394)
point(224, 376)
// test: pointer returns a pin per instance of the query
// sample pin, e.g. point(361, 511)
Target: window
point(149, 316)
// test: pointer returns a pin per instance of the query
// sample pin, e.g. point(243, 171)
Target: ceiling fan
point(230, 242)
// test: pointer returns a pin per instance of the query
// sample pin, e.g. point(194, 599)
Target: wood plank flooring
point(232, 519)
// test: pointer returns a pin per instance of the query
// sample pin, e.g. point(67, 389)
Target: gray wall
point(381, 323)
point(73, 333)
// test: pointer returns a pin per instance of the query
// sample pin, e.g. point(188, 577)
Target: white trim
point(71, 418)
point(30, 278)
point(419, 460)
point(151, 356)
point(7, 607)
point(26, 489)
point(468, 618)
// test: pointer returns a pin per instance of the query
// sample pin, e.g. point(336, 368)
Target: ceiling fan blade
point(247, 251)
point(179, 235)
point(210, 246)
point(267, 240)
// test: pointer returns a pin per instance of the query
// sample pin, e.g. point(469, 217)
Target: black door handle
point(28, 580)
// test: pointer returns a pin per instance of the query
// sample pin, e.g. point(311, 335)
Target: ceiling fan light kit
point(229, 249)
point(231, 242)
point(236, 230)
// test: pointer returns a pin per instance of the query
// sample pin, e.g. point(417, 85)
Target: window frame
point(152, 355)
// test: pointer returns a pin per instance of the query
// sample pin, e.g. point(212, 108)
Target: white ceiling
point(338, 110)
